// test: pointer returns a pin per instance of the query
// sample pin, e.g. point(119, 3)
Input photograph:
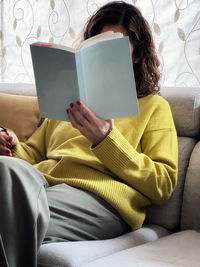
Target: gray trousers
point(32, 213)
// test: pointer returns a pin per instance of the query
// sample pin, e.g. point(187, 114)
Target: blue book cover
point(100, 75)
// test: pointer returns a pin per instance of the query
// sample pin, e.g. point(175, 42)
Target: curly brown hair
point(145, 60)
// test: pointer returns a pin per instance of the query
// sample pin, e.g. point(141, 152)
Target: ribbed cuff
point(115, 151)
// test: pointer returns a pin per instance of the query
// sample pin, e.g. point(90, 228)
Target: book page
point(58, 46)
point(109, 35)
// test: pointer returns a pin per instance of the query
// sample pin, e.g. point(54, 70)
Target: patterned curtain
point(175, 25)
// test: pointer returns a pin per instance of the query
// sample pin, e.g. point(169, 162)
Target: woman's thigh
point(24, 212)
point(80, 215)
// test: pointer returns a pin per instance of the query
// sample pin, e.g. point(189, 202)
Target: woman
point(93, 177)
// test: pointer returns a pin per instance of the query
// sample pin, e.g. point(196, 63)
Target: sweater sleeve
point(153, 171)
point(33, 150)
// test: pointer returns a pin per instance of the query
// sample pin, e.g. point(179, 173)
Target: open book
point(99, 73)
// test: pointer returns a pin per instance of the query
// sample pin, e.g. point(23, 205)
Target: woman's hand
point(83, 119)
point(7, 142)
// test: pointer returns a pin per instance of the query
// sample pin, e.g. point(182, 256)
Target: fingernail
point(78, 103)
point(71, 105)
point(7, 151)
point(67, 110)
point(8, 145)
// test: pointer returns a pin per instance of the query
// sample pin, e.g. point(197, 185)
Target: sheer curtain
point(175, 25)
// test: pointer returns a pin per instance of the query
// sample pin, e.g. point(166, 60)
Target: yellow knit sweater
point(134, 166)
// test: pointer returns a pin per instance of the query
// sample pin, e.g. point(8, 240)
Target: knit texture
point(134, 166)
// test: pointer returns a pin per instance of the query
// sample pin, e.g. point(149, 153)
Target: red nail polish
point(8, 145)
point(67, 111)
point(78, 103)
point(71, 105)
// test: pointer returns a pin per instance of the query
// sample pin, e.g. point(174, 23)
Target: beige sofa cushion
point(185, 106)
point(19, 113)
point(168, 215)
point(190, 216)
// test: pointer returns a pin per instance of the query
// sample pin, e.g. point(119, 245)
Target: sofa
point(170, 235)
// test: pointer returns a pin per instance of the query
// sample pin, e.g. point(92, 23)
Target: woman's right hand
point(7, 142)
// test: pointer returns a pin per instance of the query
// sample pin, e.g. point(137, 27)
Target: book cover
point(100, 75)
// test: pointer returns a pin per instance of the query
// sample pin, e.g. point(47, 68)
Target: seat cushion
point(77, 253)
point(179, 249)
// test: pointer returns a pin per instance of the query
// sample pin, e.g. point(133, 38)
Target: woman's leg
point(24, 212)
point(80, 215)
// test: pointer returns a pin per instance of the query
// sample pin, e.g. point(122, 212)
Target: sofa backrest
point(185, 106)
point(25, 89)
point(190, 215)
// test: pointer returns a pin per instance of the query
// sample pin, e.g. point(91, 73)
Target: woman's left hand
point(92, 127)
